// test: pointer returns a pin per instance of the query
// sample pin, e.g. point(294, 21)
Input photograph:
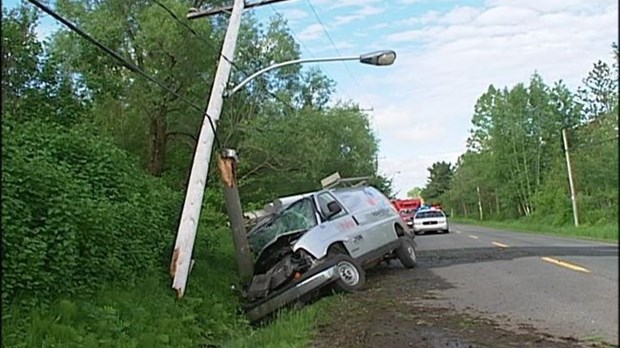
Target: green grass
point(293, 328)
point(148, 315)
point(608, 232)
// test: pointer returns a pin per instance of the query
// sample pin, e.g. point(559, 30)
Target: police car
point(429, 219)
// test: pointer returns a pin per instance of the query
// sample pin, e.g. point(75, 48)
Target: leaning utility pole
point(186, 235)
point(573, 198)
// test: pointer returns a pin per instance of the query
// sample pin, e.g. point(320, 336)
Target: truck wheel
point(351, 276)
point(406, 253)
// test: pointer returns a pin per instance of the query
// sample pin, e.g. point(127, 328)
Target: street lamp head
point(380, 58)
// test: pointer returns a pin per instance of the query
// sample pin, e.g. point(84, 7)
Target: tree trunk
point(157, 144)
point(497, 202)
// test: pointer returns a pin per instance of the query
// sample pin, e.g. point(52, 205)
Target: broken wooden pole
point(228, 171)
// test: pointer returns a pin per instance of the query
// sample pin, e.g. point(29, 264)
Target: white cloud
point(311, 32)
point(342, 46)
point(360, 14)
point(546, 6)
point(294, 14)
point(370, 11)
point(380, 26)
point(414, 170)
point(506, 15)
point(341, 20)
point(343, 3)
point(426, 114)
point(426, 18)
point(423, 104)
point(460, 15)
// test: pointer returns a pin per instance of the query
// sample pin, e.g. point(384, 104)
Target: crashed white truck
point(322, 239)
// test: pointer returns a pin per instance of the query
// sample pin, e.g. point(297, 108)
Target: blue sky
point(448, 53)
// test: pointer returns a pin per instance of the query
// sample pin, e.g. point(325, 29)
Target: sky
point(448, 53)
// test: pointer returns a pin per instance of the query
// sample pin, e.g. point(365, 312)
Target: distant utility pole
point(186, 235)
point(573, 197)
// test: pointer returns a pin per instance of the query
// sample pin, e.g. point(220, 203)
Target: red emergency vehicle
point(406, 208)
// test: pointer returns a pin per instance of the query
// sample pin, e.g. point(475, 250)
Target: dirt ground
point(403, 308)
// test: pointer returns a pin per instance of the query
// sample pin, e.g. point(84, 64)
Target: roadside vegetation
point(514, 172)
point(608, 232)
point(95, 161)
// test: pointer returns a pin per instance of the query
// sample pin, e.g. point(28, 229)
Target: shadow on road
point(448, 257)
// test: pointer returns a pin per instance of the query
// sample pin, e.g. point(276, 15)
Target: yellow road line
point(566, 264)
point(499, 245)
point(474, 237)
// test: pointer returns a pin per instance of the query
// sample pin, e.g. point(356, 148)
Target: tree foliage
point(77, 212)
point(288, 155)
point(515, 152)
point(440, 177)
point(96, 158)
point(415, 192)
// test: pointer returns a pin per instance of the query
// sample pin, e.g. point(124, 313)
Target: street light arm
point(279, 65)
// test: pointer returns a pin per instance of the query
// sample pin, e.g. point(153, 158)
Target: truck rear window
point(429, 214)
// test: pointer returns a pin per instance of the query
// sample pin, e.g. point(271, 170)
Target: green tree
point(599, 93)
point(440, 177)
point(288, 155)
point(415, 192)
point(20, 56)
point(514, 153)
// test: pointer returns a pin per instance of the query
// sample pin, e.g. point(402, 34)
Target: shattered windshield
point(298, 216)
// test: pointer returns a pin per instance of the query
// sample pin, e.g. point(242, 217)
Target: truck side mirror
point(334, 209)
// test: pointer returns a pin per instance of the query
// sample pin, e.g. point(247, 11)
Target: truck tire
point(351, 275)
point(406, 253)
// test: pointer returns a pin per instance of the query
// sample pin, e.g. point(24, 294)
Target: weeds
point(608, 232)
point(148, 315)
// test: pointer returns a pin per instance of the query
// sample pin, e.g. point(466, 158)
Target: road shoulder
point(402, 308)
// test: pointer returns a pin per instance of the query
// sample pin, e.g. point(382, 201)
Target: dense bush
point(77, 213)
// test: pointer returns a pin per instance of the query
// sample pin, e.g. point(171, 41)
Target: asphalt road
point(566, 287)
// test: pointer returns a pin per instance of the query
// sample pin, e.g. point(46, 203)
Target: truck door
point(345, 224)
point(365, 212)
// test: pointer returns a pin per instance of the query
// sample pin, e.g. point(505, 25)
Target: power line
point(293, 32)
point(595, 142)
point(316, 15)
point(191, 30)
point(127, 64)
point(208, 43)
point(296, 37)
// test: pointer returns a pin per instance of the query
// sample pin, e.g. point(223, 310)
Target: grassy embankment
point(147, 315)
point(607, 232)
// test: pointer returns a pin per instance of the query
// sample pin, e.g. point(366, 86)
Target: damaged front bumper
point(314, 279)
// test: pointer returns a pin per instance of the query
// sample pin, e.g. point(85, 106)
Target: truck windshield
point(298, 216)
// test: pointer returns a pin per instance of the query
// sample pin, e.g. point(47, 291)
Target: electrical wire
point(232, 63)
point(595, 142)
point(296, 37)
point(293, 32)
point(127, 64)
point(318, 18)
